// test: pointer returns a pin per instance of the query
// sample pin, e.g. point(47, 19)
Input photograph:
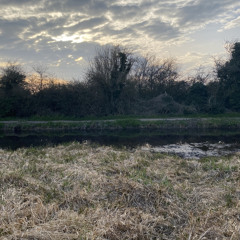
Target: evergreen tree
point(228, 74)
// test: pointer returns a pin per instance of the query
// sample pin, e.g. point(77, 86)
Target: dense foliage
point(119, 83)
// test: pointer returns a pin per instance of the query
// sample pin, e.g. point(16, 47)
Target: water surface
point(193, 143)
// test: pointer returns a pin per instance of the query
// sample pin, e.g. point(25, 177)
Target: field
point(86, 191)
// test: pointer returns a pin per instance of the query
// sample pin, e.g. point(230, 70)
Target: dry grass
point(82, 191)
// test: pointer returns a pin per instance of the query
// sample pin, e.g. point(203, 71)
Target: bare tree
point(154, 77)
point(40, 79)
point(41, 71)
point(201, 76)
point(108, 75)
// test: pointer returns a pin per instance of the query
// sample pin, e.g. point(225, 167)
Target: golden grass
point(84, 191)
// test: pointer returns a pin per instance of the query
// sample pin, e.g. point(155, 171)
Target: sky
point(63, 35)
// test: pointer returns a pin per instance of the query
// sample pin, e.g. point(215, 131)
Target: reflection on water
point(192, 143)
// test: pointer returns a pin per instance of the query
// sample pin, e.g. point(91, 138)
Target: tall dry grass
point(84, 191)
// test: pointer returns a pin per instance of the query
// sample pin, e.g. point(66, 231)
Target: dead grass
point(82, 191)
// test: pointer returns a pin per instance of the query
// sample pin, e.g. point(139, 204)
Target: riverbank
point(18, 126)
point(84, 191)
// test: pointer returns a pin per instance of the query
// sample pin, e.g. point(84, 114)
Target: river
point(189, 144)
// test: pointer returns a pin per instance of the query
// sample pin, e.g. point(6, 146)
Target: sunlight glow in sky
point(71, 38)
point(64, 35)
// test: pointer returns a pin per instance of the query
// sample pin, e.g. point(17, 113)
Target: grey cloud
point(16, 50)
point(158, 30)
point(53, 26)
point(126, 32)
point(89, 23)
point(10, 31)
point(13, 25)
point(18, 2)
point(61, 6)
point(85, 49)
point(84, 6)
point(126, 12)
point(202, 11)
point(52, 22)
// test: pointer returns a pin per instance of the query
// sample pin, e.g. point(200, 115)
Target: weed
point(167, 183)
point(66, 184)
point(51, 194)
point(141, 175)
point(32, 167)
point(109, 158)
point(157, 155)
point(68, 158)
point(229, 200)
point(36, 152)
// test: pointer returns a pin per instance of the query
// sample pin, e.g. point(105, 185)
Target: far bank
point(19, 126)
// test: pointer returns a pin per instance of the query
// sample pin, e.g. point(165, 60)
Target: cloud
point(87, 24)
point(79, 59)
point(202, 61)
point(114, 31)
point(10, 31)
point(158, 30)
point(17, 2)
point(231, 24)
point(49, 30)
point(126, 12)
point(93, 7)
point(200, 12)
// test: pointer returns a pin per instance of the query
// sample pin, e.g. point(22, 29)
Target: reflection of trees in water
point(121, 138)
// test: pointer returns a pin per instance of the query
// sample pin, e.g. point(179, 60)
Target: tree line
point(119, 83)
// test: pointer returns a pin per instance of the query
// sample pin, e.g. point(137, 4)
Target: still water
point(190, 144)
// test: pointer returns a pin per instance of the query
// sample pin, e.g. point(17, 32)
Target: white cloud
point(232, 24)
point(69, 38)
point(79, 59)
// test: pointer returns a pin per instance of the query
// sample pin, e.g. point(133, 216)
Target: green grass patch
point(128, 123)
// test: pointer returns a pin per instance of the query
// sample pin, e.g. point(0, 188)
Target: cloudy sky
point(64, 34)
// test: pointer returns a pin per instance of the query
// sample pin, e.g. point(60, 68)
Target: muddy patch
point(196, 150)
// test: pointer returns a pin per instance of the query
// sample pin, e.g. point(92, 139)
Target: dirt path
point(108, 120)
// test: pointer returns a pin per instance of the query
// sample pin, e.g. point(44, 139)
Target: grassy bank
point(83, 191)
point(18, 126)
point(119, 117)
